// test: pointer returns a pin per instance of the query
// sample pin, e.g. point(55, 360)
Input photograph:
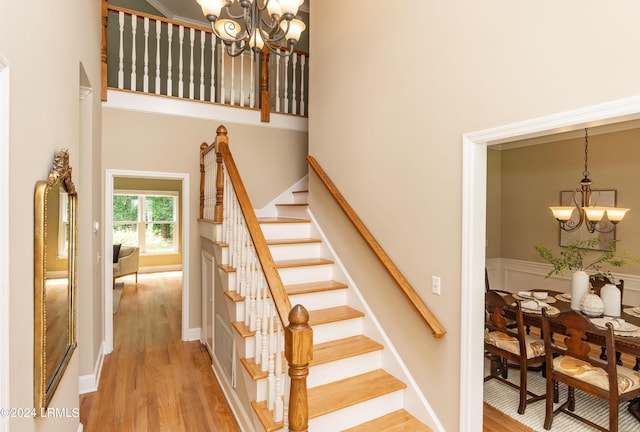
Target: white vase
point(611, 297)
point(579, 288)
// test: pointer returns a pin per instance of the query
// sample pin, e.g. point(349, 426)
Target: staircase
point(348, 389)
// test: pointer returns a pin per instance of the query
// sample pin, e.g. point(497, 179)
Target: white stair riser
point(295, 212)
point(295, 251)
point(320, 300)
point(344, 368)
point(300, 197)
point(228, 280)
point(285, 230)
point(357, 414)
point(314, 273)
point(337, 330)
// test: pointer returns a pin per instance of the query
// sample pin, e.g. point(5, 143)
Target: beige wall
point(387, 118)
point(532, 178)
point(45, 116)
point(158, 143)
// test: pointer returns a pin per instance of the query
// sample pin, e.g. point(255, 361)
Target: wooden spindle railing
point(144, 55)
point(423, 310)
point(279, 328)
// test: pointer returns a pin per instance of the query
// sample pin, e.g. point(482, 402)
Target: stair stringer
point(414, 400)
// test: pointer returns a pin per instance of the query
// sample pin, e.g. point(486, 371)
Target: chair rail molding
point(474, 200)
point(188, 334)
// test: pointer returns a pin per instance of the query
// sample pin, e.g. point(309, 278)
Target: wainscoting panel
point(515, 275)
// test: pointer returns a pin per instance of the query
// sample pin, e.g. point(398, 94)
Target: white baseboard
point(89, 383)
point(192, 334)
point(241, 415)
point(80, 427)
point(160, 269)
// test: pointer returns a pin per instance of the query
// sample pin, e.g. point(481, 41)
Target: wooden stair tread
point(397, 421)
point(310, 287)
point(265, 416)
point(338, 313)
point(302, 262)
point(275, 220)
point(226, 268)
point(300, 191)
point(292, 241)
point(340, 394)
point(343, 348)
point(292, 205)
point(234, 296)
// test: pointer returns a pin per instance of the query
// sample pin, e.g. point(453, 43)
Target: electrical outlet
point(435, 284)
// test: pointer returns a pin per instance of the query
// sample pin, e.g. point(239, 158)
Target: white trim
point(108, 249)
point(89, 383)
point(201, 110)
point(474, 146)
point(191, 334)
point(270, 210)
point(4, 242)
point(80, 427)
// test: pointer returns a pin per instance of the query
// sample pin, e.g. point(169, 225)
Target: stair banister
point(298, 335)
point(432, 322)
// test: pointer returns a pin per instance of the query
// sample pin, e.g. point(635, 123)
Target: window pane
point(125, 208)
point(159, 236)
point(125, 234)
point(159, 208)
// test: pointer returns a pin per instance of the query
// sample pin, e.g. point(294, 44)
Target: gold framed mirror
point(55, 257)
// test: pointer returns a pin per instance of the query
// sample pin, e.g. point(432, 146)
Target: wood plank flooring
point(153, 381)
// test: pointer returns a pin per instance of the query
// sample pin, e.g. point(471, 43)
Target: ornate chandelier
point(243, 24)
point(590, 214)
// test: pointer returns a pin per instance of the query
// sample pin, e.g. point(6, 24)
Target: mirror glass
point(55, 278)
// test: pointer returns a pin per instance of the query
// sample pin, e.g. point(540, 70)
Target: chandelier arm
point(285, 51)
point(237, 39)
point(240, 48)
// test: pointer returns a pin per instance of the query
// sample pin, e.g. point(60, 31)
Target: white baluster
point(286, 389)
point(254, 291)
point(169, 62)
point(158, 32)
point(223, 55)
point(212, 89)
point(134, 26)
point(192, 35)
point(145, 78)
point(271, 379)
point(180, 61)
point(252, 85)
point(286, 84)
point(259, 320)
point(264, 354)
point(278, 409)
point(121, 51)
point(277, 92)
point(233, 75)
point(202, 39)
point(303, 61)
point(293, 80)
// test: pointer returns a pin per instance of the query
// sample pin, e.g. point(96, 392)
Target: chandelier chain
point(585, 173)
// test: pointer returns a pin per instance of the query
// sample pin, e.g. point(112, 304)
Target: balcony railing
point(155, 55)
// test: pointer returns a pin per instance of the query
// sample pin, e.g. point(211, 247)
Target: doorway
point(108, 249)
point(474, 172)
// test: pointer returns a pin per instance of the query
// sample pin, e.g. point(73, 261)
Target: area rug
point(117, 293)
point(505, 399)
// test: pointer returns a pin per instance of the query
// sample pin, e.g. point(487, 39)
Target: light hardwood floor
point(153, 381)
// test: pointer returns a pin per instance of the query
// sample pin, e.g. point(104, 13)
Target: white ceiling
point(189, 11)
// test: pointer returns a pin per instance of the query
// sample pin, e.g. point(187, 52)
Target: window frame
point(141, 223)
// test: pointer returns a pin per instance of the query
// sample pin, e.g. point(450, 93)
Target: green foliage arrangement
point(573, 257)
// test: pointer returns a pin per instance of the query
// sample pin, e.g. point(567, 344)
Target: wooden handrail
point(278, 293)
point(436, 328)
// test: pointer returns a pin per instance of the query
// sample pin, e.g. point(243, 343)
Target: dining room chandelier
point(243, 24)
point(585, 202)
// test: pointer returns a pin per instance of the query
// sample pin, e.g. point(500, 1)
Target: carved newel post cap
point(221, 130)
point(298, 337)
point(298, 316)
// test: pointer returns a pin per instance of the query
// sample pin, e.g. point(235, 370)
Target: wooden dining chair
point(570, 363)
point(507, 344)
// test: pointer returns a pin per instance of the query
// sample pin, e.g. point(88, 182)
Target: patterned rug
point(505, 398)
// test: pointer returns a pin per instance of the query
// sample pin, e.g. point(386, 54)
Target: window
point(148, 220)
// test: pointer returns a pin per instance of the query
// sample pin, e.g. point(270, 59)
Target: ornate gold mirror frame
point(55, 257)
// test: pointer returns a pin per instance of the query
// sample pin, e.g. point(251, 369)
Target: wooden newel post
point(265, 97)
point(221, 137)
point(203, 147)
point(298, 348)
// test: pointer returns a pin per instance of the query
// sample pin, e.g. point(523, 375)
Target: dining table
point(625, 341)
